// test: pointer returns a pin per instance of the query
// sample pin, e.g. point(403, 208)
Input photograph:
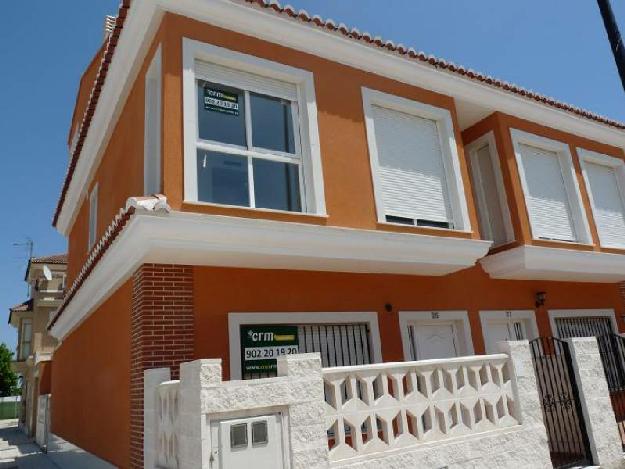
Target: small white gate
point(43, 421)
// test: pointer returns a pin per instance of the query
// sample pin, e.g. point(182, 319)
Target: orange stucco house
point(241, 171)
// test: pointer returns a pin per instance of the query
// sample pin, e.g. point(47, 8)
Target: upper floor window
point(551, 190)
point(93, 216)
point(492, 203)
point(605, 180)
point(415, 163)
point(250, 139)
point(26, 338)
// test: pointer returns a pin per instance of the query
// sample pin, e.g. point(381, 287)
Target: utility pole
point(28, 244)
point(616, 42)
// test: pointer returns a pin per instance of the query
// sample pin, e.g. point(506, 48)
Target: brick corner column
point(162, 335)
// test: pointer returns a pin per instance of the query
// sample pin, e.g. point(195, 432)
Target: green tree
point(8, 378)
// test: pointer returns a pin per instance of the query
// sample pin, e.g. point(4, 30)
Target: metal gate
point(612, 351)
point(562, 414)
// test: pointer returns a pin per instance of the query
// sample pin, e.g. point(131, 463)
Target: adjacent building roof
point(22, 307)
point(330, 26)
point(51, 259)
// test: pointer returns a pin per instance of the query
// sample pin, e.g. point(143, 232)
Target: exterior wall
point(162, 334)
point(119, 175)
point(501, 124)
point(91, 367)
point(344, 151)
point(219, 291)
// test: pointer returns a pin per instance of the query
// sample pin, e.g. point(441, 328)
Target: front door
point(248, 442)
point(434, 341)
point(498, 331)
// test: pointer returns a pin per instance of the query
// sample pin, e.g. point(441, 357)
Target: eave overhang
point(211, 240)
point(544, 263)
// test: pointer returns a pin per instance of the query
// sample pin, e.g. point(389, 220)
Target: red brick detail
point(162, 331)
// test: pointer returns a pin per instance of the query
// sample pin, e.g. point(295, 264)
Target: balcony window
point(93, 216)
point(492, 203)
point(605, 181)
point(249, 136)
point(414, 163)
point(26, 337)
point(551, 190)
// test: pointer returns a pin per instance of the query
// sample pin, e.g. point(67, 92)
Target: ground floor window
point(582, 322)
point(341, 339)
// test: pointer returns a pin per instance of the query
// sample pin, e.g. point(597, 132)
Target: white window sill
point(425, 228)
point(253, 209)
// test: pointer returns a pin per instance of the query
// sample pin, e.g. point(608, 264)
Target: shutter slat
point(609, 211)
point(412, 175)
point(548, 203)
point(250, 81)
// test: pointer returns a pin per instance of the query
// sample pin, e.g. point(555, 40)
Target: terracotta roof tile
point(327, 24)
point(22, 307)
point(51, 259)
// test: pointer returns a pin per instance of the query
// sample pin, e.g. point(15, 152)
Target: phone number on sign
point(263, 353)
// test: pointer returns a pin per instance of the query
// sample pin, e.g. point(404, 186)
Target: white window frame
point(152, 149)
point(571, 185)
point(93, 216)
point(580, 313)
point(488, 140)
point(449, 149)
point(312, 188)
point(528, 316)
point(460, 320)
point(616, 164)
point(236, 320)
point(24, 342)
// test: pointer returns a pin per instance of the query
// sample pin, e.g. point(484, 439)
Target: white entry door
point(248, 442)
point(434, 341)
point(498, 331)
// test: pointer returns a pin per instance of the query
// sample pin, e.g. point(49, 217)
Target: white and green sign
point(261, 345)
point(221, 101)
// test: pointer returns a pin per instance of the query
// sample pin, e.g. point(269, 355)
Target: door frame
point(236, 320)
point(505, 315)
point(459, 319)
point(580, 313)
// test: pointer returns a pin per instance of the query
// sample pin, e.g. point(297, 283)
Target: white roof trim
point(141, 25)
point(542, 263)
point(214, 240)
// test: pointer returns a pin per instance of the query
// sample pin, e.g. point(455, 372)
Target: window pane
point(272, 123)
point(276, 185)
point(222, 178)
point(221, 113)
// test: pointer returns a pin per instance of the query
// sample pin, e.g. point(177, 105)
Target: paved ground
point(17, 451)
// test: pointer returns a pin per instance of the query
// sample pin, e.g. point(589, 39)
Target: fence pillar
point(194, 434)
point(151, 379)
point(528, 405)
point(603, 435)
point(307, 426)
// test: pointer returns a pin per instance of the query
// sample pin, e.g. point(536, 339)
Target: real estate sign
point(262, 344)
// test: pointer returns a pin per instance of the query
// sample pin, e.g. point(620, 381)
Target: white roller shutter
point(609, 211)
point(410, 160)
point(245, 80)
point(547, 199)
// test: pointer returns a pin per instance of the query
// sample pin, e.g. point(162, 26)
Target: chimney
point(109, 25)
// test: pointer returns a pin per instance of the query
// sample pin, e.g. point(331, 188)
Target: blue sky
point(558, 48)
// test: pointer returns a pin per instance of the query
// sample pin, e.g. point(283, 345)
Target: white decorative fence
point(382, 407)
point(479, 411)
point(167, 425)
